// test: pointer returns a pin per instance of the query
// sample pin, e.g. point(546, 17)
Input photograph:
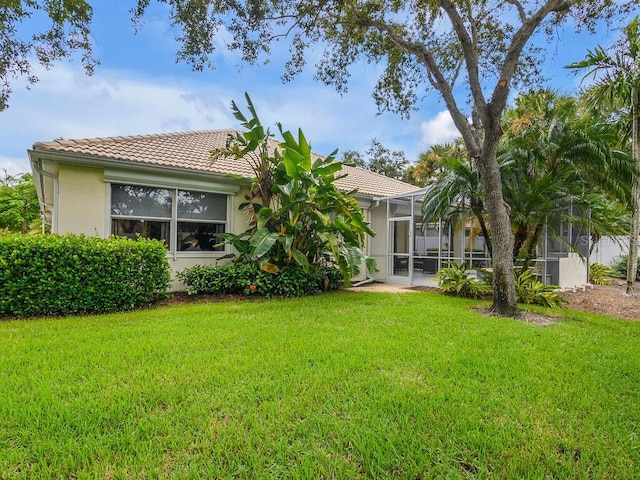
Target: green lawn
point(344, 385)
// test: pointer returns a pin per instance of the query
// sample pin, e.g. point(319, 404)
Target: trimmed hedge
point(61, 275)
point(249, 279)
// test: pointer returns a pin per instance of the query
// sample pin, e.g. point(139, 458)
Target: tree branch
point(435, 74)
point(520, 39)
point(520, 8)
point(470, 54)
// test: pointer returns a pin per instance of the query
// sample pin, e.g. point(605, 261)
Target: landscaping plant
point(249, 279)
point(531, 290)
point(297, 215)
point(457, 280)
point(619, 266)
point(61, 275)
point(599, 274)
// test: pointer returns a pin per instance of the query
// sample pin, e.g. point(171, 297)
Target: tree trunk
point(632, 263)
point(478, 210)
point(504, 294)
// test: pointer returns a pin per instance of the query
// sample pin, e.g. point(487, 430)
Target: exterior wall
point(82, 209)
point(572, 271)
point(378, 244)
point(608, 249)
point(82, 197)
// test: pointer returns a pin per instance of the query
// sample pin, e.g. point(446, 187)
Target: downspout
point(42, 173)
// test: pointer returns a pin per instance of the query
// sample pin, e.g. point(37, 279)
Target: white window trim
point(173, 221)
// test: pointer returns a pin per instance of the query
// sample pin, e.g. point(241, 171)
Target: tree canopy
point(617, 90)
point(19, 207)
point(66, 31)
point(468, 51)
point(379, 159)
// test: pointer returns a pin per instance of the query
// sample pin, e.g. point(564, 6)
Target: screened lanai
point(412, 252)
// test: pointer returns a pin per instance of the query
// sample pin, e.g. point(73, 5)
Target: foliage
point(61, 275)
point(616, 72)
point(472, 53)
point(557, 164)
point(599, 274)
point(426, 169)
point(249, 279)
point(19, 206)
point(620, 266)
point(379, 159)
point(457, 280)
point(389, 163)
point(456, 191)
point(67, 32)
point(298, 215)
point(531, 290)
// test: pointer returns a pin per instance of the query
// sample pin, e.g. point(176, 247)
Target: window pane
point(198, 237)
point(140, 201)
point(202, 206)
point(144, 228)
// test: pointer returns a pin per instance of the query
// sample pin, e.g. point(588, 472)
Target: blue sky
point(140, 89)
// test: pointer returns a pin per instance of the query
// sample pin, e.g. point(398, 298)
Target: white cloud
point(440, 129)
point(13, 166)
point(68, 104)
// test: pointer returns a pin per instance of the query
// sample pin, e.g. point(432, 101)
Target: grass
point(345, 385)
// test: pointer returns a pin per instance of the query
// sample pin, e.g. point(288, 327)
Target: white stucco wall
point(81, 201)
point(572, 271)
point(608, 249)
point(378, 244)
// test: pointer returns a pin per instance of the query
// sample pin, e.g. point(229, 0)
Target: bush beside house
point(248, 279)
point(59, 275)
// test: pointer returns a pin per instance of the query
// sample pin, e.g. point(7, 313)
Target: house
point(415, 252)
point(165, 187)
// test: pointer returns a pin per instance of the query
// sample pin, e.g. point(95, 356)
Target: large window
point(184, 220)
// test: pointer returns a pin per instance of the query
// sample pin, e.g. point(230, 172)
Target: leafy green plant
point(599, 274)
point(250, 279)
point(297, 215)
point(619, 267)
point(59, 275)
point(531, 290)
point(457, 280)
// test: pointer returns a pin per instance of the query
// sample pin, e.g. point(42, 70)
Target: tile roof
point(191, 151)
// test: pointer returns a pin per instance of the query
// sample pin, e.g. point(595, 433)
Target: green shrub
point(619, 267)
point(250, 279)
point(60, 275)
point(456, 280)
point(531, 290)
point(599, 274)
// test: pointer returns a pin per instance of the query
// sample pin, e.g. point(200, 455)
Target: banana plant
point(303, 219)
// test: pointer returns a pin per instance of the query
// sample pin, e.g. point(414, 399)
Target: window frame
point(173, 220)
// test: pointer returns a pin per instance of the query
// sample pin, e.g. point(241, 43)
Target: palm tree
point(554, 173)
point(552, 160)
point(616, 72)
point(456, 190)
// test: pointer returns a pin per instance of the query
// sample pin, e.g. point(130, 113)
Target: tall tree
point(617, 86)
point(456, 191)
point(389, 163)
point(428, 165)
point(19, 206)
point(379, 159)
point(67, 32)
point(452, 46)
point(558, 163)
